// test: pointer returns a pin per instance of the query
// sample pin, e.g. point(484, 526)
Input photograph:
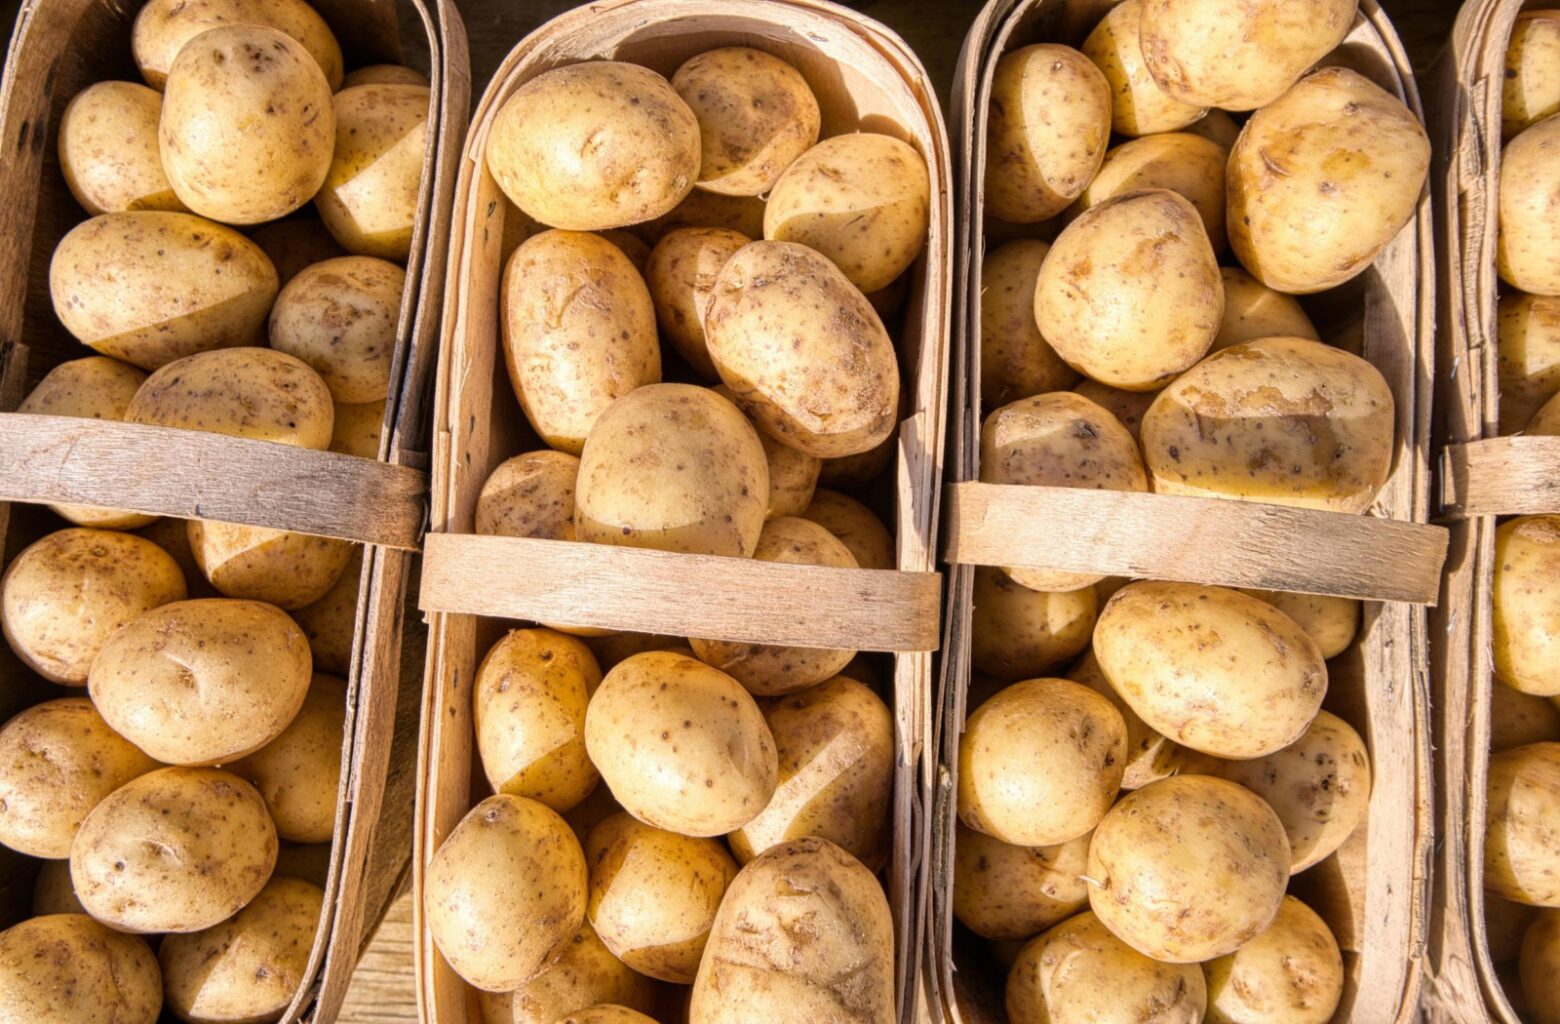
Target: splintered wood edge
point(192, 474)
point(1195, 540)
point(741, 600)
point(1501, 476)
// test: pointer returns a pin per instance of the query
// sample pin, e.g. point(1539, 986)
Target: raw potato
point(1238, 57)
point(1015, 359)
point(371, 195)
point(1252, 310)
point(681, 745)
point(1186, 164)
point(1330, 621)
point(173, 536)
point(1002, 891)
point(613, 650)
point(247, 127)
point(1532, 86)
point(1041, 762)
point(1138, 105)
point(863, 200)
point(1283, 420)
point(299, 772)
point(1323, 179)
point(1047, 133)
point(530, 495)
point(793, 475)
point(680, 275)
point(579, 332)
point(1206, 894)
point(836, 749)
point(1127, 406)
point(175, 850)
point(1539, 967)
point(58, 760)
point(596, 145)
point(860, 470)
point(1079, 972)
point(1545, 422)
point(108, 149)
point(760, 966)
point(1517, 719)
point(1130, 293)
point(1018, 633)
point(674, 467)
point(340, 317)
point(1505, 923)
point(1217, 126)
point(1521, 845)
point(295, 243)
point(357, 428)
point(1292, 973)
point(203, 682)
point(701, 209)
point(250, 967)
point(150, 287)
point(504, 895)
point(756, 115)
point(585, 973)
point(769, 670)
point(1059, 440)
point(1528, 343)
point(1528, 186)
point(384, 74)
point(53, 892)
point(69, 969)
point(869, 541)
point(1150, 756)
point(289, 570)
point(64, 596)
point(606, 1014)
point(1210, 668)
point(163, 27)
point(1527, 605)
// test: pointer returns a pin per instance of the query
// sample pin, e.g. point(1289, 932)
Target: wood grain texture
point(382, 991)
point(1501, 476)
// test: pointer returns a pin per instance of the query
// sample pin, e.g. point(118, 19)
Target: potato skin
point(108, 149)
point(340, 318)
point(1539, 967)
point(505, 894)
point(1138, 106)
point(1150, 755)
point(1127, 406)
point(702, 209)
point(1527, 238)
point(163, 27)
point(1531, 91)
point(1517, 719)
point(175, 850)
point(1292, 972)
point(1186, 164)
point(1528, 343)
point(681, 275)
point(295, 243)
point(857, 527)
point(330, 622)
point(756, 115)
point(149, 287)
point(596, 145)
point(1521, 861)
point(1331, 621)
point(70, 969)
point(1018, 633)
point(1015, 359)
point(299, 772)
point(1526, 604)
point(1007, 892)
point(530, 495)
point(289, 570)
point(606, 1013)
point(1252, 311)
point(585, 974)
point(246, 392)
point(384, 74)
point(370, 197)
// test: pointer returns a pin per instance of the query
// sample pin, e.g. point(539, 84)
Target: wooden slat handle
point(1195, 540)
point(191, 474)
point(1501, 476)
point(708, 596)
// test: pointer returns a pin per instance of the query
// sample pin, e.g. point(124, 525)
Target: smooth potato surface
point(1517, 719)
point(585, 974)
point(108, 149)
point(340, 318)
point(1331, 621)
point(1150, 755)
point(1526, 605)
point(681, 275)
point(1018, 633)
point(70, 969)
point(371, 194)
point(1291, 973)
point(1528, 344)
point(1527, 212)
point(299, 772)
point(1531, 91)
point(1252, 310)
point(163, 27)
point(1015, 359)
point(530, 495)
point(1538, 967)
point(1138, 106)
point(857, 527)
point(384, 74)
point(756, 115)
point(1187, 164)
point(1001, 891)
point(1521, 845)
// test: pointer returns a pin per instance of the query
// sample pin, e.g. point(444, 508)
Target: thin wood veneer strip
point(734, 599)
point(196, 475)
point(1501, 476)
point(1195, 540)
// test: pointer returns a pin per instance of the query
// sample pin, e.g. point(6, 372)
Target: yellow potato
point(1048, 130)
point(299, 772)
point(357, 428)
point(1527, 605)
point(150, 287)
point(1015, 359)
point(289, 570)
point(1138, 105)
point(605, 1013)
point(756, 115)
point(69, 969)
point(851, 472)
point(793, 475)
point(1545, 422)
point(680, 275)
point(1002, 891)
point(295, 243)
point(1252, 311)
point(1018, 633)
point(175, 850)
point(1283, 420)
point(1521, 844)
point(1150, 756)
point(1505, 922)
point(504, 896)
point(1127, 406)
point(58, 760)
point(1528, 343)
point(1292, 973)
point(371, 195)
point(108, 149)
point(1217, 126)
point(1539, 967)
point(1531, 91)
point(1041, 762)
point(340, 317)
point(1322, 179)
point(1527, 238)
point(1517, 719)
point(384, 74)
point(701, 209)
point(869, 541)
point(53, 892)
point(619, 647)
point(1330, 621)
point(1187, 164)
point(585, 973)
point(173, 536)
point(596, 145)
point(310, 863)
point(863, 200)
point(203, 682)
point(163, 27)
point(530, 495)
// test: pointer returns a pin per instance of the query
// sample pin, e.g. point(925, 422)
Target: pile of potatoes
point(693, 304)
point(1147, 764)
point(182, 790)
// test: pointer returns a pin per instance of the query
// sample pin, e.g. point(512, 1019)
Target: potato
point(579, 332)
point(1253, 311)
point(1282, 420)
point(1059, 439)
point(356, 429)
point(1150, 756)
point(65, 595)
point(173, 536)
point(289, 570)
point(1323, 179)
point(1127, 406)
point(202, 682)
point(674, 467)
point(1330, 621)
point(771, 670)
point(610, 651)
point(150, 287)
point(175, 850)
point(384, 74)
point(1545, 422)
point(1018, 633)
point(371, 195)
point(1292, 973)
point(835, 743)
point(863, 200)
point(1040, 762)
point(793, 475)
point(1539, 967)
point(108, 149)
point(53, 892)
point(163, 27)
point(1526, 605)
point(1528, 343)
point(701, 209)
point(1521, 845)
point(340, 317)
point(295, 243)
point(756, 115)
point(1187, 164)
point(606, 1013)
point(851, 472)
point(680, 275)
point(247, 127)
point(1216, 126)
point(1047, 133)
point(596, 145)
point(1532, 89)
point(1079, 972)
point(1015, 359)
point(310, 862)
point(249, 967)
point(504, 896)
point(1505, 923)
point(58, 760)
point(869, 541)
point(1130, 293)
point(1002, 891)
point(530, 495)
point(1138, 105)
point(1517, 719)
point(759, 965)
point(585, 973)
point(1210, 668)
point(681, 745)
point(69, 969)
point(1211, 54)
point(1527, 240)
point(299, 772)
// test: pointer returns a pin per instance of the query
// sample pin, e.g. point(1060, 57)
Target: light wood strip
point(1501, 476)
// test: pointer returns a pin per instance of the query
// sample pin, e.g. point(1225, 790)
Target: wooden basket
point(58, 48)
point(1373, 891)
point(864, 77)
